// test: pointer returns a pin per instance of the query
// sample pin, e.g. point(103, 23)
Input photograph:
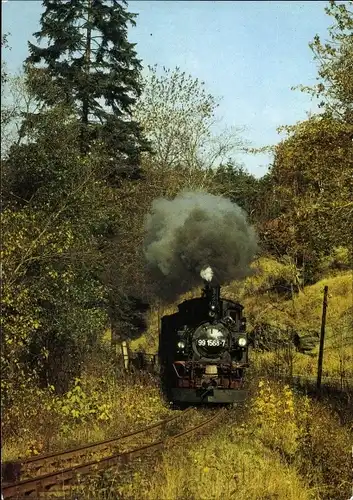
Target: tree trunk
point(87, 67)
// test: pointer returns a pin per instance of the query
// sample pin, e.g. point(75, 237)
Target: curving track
point(52, 471)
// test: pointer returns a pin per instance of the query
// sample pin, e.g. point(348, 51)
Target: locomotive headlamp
point(181, 345)
point(242, 341)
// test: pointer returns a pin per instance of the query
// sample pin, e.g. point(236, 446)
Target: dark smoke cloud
point(191, 232)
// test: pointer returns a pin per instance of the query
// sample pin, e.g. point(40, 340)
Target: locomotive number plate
point(211, 342)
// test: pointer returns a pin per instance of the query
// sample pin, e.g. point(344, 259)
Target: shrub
point(305, 434)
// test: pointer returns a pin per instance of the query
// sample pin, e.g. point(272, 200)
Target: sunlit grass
point(225, 466)
point(101, 405)
point(285, 447)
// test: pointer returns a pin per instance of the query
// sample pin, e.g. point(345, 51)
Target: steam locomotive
point(203, 350)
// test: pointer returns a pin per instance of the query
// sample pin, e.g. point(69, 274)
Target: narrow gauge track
point(32, 486)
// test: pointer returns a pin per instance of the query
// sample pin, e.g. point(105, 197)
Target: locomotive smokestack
point(212, 293)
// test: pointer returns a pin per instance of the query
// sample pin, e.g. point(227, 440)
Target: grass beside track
point(287, 447)
point(283, 445)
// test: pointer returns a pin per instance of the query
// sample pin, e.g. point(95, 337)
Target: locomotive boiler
point(203, 350)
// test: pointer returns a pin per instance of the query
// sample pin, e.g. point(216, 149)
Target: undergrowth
point(286, 447)
point(103, 402)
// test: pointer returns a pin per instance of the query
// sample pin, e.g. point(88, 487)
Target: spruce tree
point(89, 64)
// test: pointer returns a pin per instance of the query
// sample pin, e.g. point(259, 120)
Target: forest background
point(88, 144)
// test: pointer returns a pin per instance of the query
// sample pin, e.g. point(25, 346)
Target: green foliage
point(45, 164)
point(61, 216)
point(79, 406)
point(100, 404)
point(239, 186)
point(49, 315)
point(92, 68)
point(52, 298)
point(335, 62)
point(338, 259)
point(317, 210)
point(308, 207)
point(306, 434)
point(9, 107)
point(178, 116)
point(4, 74)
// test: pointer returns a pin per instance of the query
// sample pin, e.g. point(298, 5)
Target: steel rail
point(42, 483)
point(51, 459)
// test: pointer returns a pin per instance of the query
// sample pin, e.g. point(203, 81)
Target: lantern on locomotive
point(203, 350)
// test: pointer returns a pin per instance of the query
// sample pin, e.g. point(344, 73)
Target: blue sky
point(248, 53)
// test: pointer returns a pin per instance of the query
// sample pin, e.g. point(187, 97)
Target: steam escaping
point(193, 237)
point(207, 273)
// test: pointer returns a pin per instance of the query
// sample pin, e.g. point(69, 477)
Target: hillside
point(263, 304)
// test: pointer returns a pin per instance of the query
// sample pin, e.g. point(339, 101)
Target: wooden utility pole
point(322, 340)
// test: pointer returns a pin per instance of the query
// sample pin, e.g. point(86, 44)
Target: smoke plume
point(206, 273)
point(196, 236)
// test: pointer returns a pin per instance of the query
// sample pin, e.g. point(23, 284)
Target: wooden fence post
point(322, 340)
point(125, 354)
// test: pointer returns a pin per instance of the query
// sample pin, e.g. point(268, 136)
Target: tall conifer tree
point(89, 64)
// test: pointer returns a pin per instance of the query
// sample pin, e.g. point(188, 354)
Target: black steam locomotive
point(203, 350)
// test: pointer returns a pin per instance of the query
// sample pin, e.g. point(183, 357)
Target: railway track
point(52, 471)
